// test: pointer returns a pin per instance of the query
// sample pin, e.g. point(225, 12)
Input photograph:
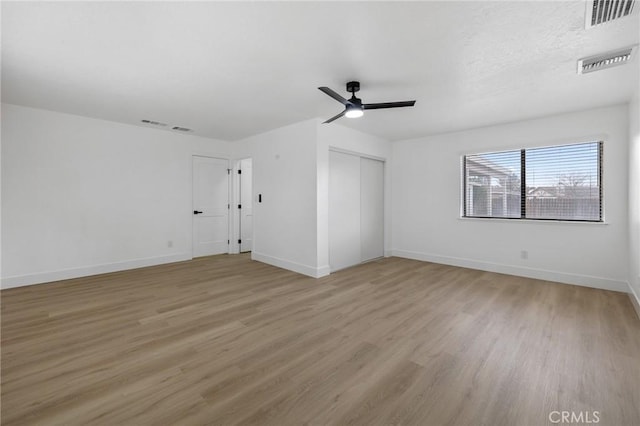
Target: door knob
point(197, 212)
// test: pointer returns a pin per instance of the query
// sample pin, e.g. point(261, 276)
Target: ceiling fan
point(353, 107)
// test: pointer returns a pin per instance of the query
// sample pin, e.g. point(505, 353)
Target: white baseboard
point(635, 299)
point(541, 274)
point(311, 271)
point(65, 274)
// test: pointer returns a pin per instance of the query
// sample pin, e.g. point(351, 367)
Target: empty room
point(320, 213)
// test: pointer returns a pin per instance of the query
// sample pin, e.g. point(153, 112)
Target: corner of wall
point(634, 198)
point(322, 200)
point(285, 168)
point(635, 299)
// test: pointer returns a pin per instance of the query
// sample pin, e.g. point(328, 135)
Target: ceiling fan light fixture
point(354, 112)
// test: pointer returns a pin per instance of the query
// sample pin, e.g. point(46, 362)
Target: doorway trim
point(234, 216)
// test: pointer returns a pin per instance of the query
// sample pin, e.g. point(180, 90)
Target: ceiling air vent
point(153, 123)
point(602, 11)
point(180, 129)
point(606, 60)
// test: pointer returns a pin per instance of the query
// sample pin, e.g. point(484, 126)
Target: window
point(554, 183)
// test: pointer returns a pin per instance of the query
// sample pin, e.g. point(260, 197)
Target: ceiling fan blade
point(334, 95)
point(382, 105)
point(335, 117)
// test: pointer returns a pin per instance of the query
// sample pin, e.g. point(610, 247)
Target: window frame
point(523, 186)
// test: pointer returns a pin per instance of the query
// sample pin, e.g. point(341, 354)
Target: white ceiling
point(228, 70)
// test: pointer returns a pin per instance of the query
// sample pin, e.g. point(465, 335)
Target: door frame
point(234, 233)
point(239, 198)
point(229, 195)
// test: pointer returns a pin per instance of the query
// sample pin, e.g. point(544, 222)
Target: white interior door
point(344, 210)
point(246, 201)
point(371, 209)
point(210, 206)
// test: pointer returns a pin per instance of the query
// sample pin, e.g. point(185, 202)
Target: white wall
point(82, 196)
point(634, 197)
point(285, 173)
point(291, 170)
point(426, 204)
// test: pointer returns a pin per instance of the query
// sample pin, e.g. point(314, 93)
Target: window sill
point(540, 221)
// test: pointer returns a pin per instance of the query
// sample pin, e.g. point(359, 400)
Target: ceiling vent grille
point(602, 11)
point(606, 60)
point(159, 124)
point(180, 129)
point(153, 123)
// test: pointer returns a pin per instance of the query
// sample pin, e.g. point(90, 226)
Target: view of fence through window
point(558, 182)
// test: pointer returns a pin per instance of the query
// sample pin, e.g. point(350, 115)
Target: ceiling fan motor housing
point(353, 86)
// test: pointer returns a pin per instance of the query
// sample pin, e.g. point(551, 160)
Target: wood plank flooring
point(224, 340)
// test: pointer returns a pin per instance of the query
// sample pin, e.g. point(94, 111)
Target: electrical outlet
point(169, 243)
point(524, 254)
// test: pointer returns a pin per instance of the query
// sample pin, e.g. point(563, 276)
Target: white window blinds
point(493, 184)
point(554, 183)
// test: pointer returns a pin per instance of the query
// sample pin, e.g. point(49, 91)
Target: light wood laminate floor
point(224, 340)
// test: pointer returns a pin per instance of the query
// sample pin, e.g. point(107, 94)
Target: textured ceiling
point(228, 70)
